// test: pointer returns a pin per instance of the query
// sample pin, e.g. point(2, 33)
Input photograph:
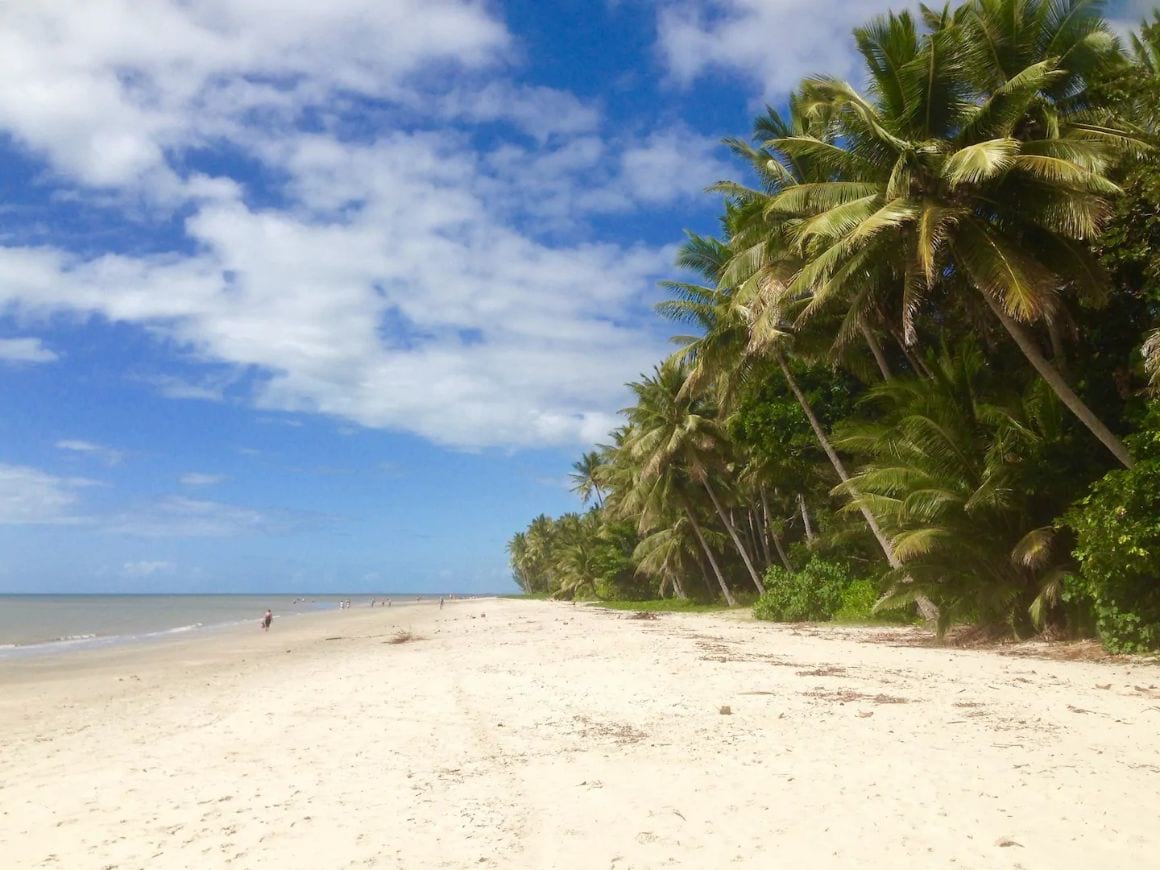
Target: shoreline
point(68, 645)
point(513, 734)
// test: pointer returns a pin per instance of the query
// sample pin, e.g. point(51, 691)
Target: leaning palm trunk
point(809, 529)
point(732, 529)
point(760, 539)
point(876, 350)
point(915, 361)
point(1060, 387)
point(732, 602)
point(773, 532)
point(925, 606)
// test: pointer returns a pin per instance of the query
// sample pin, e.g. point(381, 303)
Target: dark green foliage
point(1003, 203)
point(576, 556)
point(958, 470)
point(1117, 528)
point(812, 594)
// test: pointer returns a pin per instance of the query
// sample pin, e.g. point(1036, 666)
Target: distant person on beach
point(440, 603)
point(267, 619)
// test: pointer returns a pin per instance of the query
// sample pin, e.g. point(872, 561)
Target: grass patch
point(663, 605)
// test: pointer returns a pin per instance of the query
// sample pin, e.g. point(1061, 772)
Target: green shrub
point(857, 602)
point(811, 594)
point(1117, 528)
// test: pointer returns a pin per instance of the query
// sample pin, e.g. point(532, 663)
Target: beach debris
point(865, 714)
point(726, 710)
point(844, 696)
point(642, 614)
point(1103, 685)
point(1004, 842)
point(823, 671)
point(403, 635)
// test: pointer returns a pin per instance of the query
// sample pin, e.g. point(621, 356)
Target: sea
point(33, 624)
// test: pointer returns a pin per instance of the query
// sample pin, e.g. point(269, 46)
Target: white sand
point(544, 735)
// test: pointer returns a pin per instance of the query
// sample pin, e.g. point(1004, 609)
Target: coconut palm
point(967, 170)
point(669, 428)
point(585, 478)
point(953, 472)
point(739, 330)
point(650, 500)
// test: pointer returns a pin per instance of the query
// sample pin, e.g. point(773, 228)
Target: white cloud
point(773, 43)
point(106, 454)
point(540, 112)
point(25, 350)
point(413, 309)
point(146, 568)
point(180, 517)
point(408, 279)
point(197, 478)
point(104, 87)
point(31, 496)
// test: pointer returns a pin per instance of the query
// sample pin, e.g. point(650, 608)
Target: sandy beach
point(539, 735)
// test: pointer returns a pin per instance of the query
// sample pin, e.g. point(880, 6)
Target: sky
point(301, 296)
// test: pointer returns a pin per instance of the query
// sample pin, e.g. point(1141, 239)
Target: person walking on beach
point(267, 619)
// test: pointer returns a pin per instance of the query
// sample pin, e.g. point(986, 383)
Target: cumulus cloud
point(25, 350)
point(407, 275)
point(30, 496)
point(772, 43)
point(104, 87)
point(87, 448)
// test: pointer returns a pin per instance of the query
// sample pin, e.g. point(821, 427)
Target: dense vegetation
point(915, 374)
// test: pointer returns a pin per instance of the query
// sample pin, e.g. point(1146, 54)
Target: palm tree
point(968, 166)
point(954, 473)
point(585, 477)
point(1146, 45)
point(650, 500)
point(670, 428)
point(738, 331)
point(669, 554)
point(518, 552)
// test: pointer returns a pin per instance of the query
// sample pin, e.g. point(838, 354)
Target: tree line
point(915, 366)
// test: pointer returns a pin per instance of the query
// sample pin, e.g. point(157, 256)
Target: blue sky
point(302, 296)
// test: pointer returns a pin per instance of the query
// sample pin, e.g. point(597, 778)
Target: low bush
point(1117, 527)
point(812, 594)
point(857, 602)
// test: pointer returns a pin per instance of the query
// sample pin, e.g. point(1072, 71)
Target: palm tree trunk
point(806, 519)
point(761, 539)
point(773, 532)
point(1061, 388)
point(925, 606)
point(729, 599)
point(732, 529)
point(1057, 358)
point(876, 350)
point(915, 361)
